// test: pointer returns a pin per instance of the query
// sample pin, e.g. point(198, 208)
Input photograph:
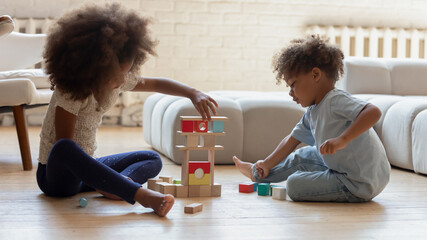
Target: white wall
point(228, 44)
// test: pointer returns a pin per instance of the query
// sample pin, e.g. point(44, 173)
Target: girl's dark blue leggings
point(69, 170)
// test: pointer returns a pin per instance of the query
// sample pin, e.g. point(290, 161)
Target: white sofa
point(259, 120)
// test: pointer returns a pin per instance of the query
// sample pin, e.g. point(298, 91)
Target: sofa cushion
point(366, 76)
point(408, 77)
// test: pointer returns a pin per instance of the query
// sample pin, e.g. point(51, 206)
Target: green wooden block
point(263, 189)
point(176, 181)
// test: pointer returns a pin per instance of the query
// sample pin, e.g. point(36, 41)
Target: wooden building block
point(167, 188)
point(191, 141)
point(279, 193)
point(217, 126)
point(207, 141)
point(194, 191)
point(167, 179)
point(195, 179)
point(205, 191)
point(151, 183)
point(201, 126)
point(193, 208)
point(204, 165)
point(184, 167)
point(199, 173)
point(246, 187)
point(211, 159)
point(177, 181)
point(216, 190)
point(181, 191)
point(271, 188)
point(263, 189)
point(187, 126)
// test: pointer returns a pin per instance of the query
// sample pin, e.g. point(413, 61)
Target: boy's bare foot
point(244, 167)
point(160, 203)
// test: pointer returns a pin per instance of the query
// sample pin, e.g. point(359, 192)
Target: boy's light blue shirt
point(362, 165)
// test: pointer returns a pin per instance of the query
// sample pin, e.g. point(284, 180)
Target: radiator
point(32, 25)
point(375, 42)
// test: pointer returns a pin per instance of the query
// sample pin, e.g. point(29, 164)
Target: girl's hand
point(261, 169)
point(203, 102)
point(331, 146)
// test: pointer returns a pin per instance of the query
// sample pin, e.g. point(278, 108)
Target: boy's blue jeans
point(308, 178)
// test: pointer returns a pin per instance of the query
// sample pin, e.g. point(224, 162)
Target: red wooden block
point(201, 126)
point(246, 187)
point(187, 126)
point(193, 165)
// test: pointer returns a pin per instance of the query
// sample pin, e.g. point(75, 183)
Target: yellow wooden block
point(205, 180)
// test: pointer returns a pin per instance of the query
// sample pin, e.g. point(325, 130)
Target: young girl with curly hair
point(344, 160)
point(92, 54)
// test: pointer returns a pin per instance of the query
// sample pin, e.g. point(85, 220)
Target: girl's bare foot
point(244, 167)
point(160, 203)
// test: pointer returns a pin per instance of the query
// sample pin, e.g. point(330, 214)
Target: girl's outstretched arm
point(201, 101)
point(366, 119)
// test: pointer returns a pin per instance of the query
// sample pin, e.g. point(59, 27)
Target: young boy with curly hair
point(92, 54)
point(344, 161)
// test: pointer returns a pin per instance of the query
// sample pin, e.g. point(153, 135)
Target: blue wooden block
point(255, 186)
point(218, 126)
point(263, 189)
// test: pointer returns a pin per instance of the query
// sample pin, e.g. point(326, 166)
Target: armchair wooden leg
point(22, 131)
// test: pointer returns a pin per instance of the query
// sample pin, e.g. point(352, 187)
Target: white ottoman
point(397, 131)
point(257, 123)
point(419, 142)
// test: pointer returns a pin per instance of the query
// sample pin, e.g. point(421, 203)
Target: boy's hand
point(331, 146)
point(261, 169)
point(203, 102)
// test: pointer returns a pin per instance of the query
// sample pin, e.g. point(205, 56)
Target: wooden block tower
point(197, 177)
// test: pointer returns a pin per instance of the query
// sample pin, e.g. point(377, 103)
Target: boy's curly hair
point(86, 45)
point(305, 54)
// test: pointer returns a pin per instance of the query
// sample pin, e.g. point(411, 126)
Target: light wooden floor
point(400, 212)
